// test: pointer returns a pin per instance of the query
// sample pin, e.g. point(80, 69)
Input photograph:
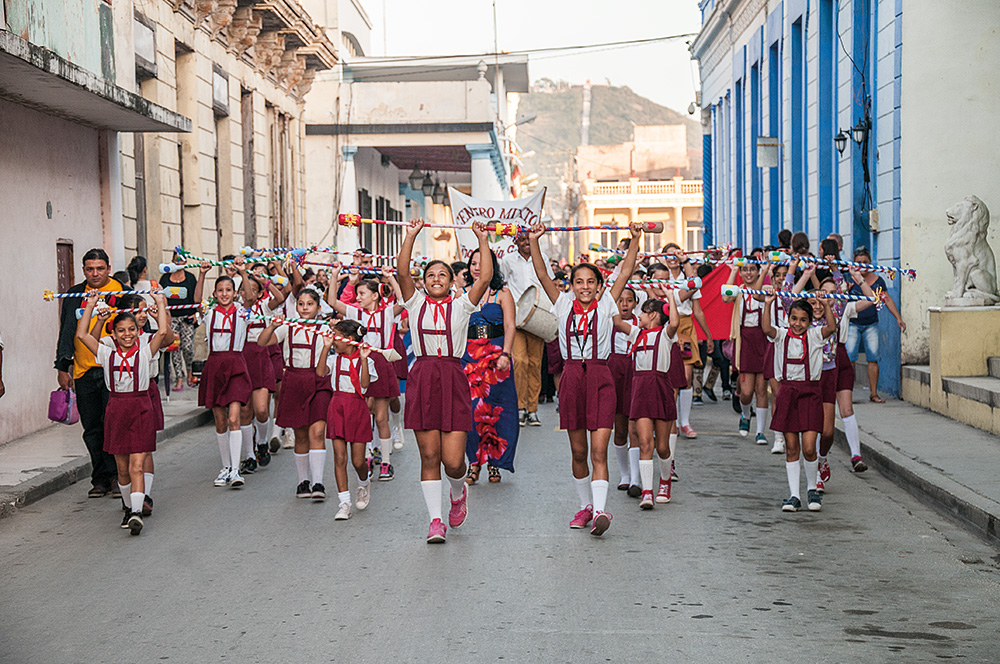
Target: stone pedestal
point(966, 301)
point(961, 339)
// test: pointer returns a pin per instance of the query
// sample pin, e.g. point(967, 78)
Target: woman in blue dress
point(487, 365)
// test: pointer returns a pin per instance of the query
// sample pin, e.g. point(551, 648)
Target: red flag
point(719, 314)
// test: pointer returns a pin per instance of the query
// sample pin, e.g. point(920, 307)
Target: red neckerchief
point(228, 315)
point(124, 367)
point(439, 307)
point(584, 314)
point(352, 370)
point(641, 339)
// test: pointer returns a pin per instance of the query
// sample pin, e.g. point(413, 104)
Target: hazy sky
point(662, 72)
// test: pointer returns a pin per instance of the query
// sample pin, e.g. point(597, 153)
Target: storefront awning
point(36, 77)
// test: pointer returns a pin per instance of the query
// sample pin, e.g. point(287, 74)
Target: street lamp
point(860, 131)
point(416, 177)
point(841, 141)
point(438, 193)
point(428, 185)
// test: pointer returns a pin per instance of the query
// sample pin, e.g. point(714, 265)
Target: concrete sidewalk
point(942, 462)
point(46, 461)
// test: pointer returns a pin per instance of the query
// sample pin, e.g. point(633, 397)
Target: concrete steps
point(993, 367)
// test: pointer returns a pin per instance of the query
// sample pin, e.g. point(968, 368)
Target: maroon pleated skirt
point(347, 417)
point(798, 407)
point(845, 370)
point(554, 358)
point(259, 365)
point(128, 424)
point(387, 385)
point(652, 397)
point(622, 370)
point(401, 365)
point(753, 350)
point(157, 404)
point(438, 397)
point(304, 399)
point(677, 375)
point(224, 379)
point(586, 396)
point(277, 362)
point(828, 385)
point(769, 362)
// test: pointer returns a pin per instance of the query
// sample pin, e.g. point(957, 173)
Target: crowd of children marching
point(282, 354)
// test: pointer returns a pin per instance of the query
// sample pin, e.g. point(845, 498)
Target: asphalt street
point(718, 575)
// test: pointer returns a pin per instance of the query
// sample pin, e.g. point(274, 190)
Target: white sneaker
point(397, 440)
point(289, 441)
point(344, 513)
point(364, 496)
point(235, 479)
point(779, 446)
point(223, 477)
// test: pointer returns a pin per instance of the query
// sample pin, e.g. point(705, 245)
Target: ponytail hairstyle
point(496, 283)
point(451, 272)
point(223, 278)
point(123, 316)
point(350, 329)
point(655, 307)
point(586, 266)
point(129, 301)
point(373, 286)
point(311, 292)
point(829, 247)
point(135, 268)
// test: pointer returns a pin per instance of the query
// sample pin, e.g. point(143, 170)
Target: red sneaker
point(824, 471)
point(663, 495)
point(459, 509)
point(602, 521)
point(435, 534)
point(688, 431)
point(646, 502)
point(582, 518)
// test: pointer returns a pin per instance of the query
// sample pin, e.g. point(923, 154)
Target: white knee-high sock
point(301, 466)
point(457, 486)
point(792, 471)
point(136, 499)
point(385, 444)
point(235, 445)
point(672, 445)
point(125, 490)
point(664, 469)
point(853, 435)
point(646, 474)
point(633, 466)
point(260, 431)
point(745, 410)
point(432, 497)
point(397, 418)
point(761, 419)
point(148, 482)
point(811, 474)
point(269, 429)
point(621, 453)
point(246, 434)
point(317, 460)
point(583, 490)
point(223, 439)
point(600, 490)
point(684, 406)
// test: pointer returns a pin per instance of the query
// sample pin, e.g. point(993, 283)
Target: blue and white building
point(904, 85)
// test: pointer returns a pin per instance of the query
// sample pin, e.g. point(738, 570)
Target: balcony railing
point(637, 188)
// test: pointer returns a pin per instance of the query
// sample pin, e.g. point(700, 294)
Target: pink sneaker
point(824, 471)
point(582, 518)
point(435, 534)
point(459, 509)
point(688, 431)
point(602, 521)
point(646, 502)
point(663, 495)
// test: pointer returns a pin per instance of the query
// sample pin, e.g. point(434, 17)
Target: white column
point(680, 230)
point(484, 179)
point(116, 220)
point(347, 238)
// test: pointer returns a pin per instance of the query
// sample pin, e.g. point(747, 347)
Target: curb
point(974, 512)
point(71, 472)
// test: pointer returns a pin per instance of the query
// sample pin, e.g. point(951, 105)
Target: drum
point(533, 318)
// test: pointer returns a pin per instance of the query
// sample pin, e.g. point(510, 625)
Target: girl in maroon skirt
point(798, 412)
point(129, 429)
point(439, 400)
point(261, 297)
point(653, 408)
point(779, 318)
point(377, 317)
point(587, 389)
point(305, 397)
point(225, 381)
point(347, 418)
point(751, 347)
point(620, 365)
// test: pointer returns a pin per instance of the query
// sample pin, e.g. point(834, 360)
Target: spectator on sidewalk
point(183, 322)
point(519, 274)
point(77, 366)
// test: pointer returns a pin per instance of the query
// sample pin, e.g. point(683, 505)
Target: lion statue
point(971, 258)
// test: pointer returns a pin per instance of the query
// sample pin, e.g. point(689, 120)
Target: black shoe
point(697, 401)
point(125, 517)
point(275, 445)
point(303, 490)
point(736, 403)
point(147, 505)
point(710, 393)
point(318, 492)
point(263, 455)
point(98, 491)
point(134, 523)
point(248, 466)
point(634, 491)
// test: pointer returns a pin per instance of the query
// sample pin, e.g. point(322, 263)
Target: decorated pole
point(181, 251)
point(133, 310)
point(172, 292)
point(732, 290)
point(780, 256)
point(314, 326)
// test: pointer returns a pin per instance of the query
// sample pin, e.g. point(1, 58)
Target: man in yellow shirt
point(78, 367)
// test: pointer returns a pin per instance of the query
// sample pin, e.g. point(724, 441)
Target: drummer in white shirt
point(527, 352)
